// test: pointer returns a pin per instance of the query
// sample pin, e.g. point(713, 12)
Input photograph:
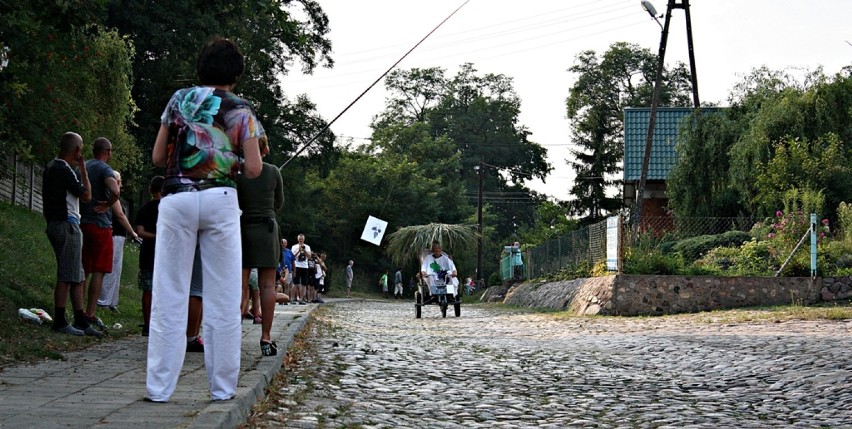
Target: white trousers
point(212, 217)
point(112, 281)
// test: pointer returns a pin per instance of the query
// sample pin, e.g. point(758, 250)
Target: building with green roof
point(663, 154)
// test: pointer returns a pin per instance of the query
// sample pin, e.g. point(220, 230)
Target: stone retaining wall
point(836, 288)
point(629, 295)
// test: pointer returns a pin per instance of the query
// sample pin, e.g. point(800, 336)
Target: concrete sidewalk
point(103, 386)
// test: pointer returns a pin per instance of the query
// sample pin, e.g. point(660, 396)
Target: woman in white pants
point(205, 133)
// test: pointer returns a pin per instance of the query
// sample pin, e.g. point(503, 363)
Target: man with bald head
point(65, 183)
point(96, 224)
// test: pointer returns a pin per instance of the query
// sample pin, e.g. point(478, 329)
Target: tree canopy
point(272, 34)
point(477, 115)
point(622, 77)
point(65, 72)
point(780, 134)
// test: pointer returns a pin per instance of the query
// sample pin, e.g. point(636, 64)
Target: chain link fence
point(587, 247)
point(668, 228)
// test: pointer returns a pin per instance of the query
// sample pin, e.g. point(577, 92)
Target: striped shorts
point(67, 241)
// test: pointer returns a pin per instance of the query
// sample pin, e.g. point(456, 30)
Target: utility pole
point(655, 100)
point(684, 4)
point(479, 222)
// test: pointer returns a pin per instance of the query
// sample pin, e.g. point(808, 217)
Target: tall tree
point(273, 34)
point(782, 109)
point(704, 148)
point(781, 132)
point(436, 157)
point(478, 115)
point(391, 187)
point(551, 222)
point(623, 77)
point(65, 72)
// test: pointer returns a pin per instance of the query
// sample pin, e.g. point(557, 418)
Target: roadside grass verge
point(27, 280)
point(778, 313)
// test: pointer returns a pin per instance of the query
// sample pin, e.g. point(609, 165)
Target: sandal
point(268, 348)
point(258, 320)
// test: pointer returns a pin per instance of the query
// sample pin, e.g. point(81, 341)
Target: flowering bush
point(787, 229)
point(772, 243)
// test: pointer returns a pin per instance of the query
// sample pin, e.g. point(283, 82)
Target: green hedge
point(693, 248)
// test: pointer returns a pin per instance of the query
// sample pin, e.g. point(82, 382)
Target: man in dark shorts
point(302, 279)
point(96, 224)
point(146, 227)
point(62, 192)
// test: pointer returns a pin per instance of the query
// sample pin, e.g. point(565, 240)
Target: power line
point(510, 32)
point(517, 22)
point(516, 170)
point(501, 46)
point(345, 137)
point(327, 126)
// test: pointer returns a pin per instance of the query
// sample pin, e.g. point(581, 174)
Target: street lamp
point(651, 11)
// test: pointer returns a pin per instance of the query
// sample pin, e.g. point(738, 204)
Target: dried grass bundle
point(411, 241)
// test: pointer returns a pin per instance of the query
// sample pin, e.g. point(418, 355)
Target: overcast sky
point(536, 41)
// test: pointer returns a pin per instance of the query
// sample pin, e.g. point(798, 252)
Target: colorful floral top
point(207, 127)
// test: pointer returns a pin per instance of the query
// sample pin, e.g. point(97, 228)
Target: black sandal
point(268, 349)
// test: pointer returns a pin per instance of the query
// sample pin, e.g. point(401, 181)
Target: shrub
point(719, 261)
point(844, 217)
point(844, 261)
point(752, 258)
point(842, 272)
point(761, 230)
point(799, 266)
point(692, 248)
point(494, 279)
point(756, 258)
point(600, 270)
point(698, 270)
point(834, 257)
point(639, 261)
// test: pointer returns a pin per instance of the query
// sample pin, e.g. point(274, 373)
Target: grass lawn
point(27, 279)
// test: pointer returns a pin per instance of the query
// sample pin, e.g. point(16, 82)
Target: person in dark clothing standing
point(397, 284)
point(146, 228)
point(62, 191)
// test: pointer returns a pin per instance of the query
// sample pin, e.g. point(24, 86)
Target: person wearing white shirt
point(302, 276)
point(437, 263)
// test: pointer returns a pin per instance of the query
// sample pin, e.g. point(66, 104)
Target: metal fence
point(20, 183)
point(670, 228)
point(587, 247)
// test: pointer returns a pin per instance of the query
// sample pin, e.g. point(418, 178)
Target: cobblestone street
point(372, 364)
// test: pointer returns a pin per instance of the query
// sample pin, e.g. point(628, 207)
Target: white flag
point(374, 230)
